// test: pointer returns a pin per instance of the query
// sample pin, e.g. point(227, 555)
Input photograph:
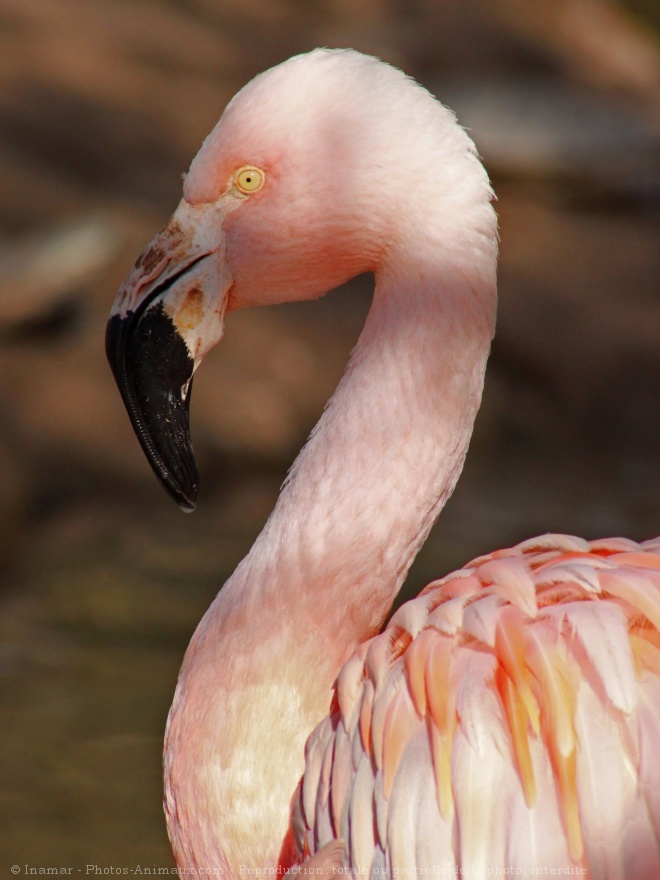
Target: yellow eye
point(250, 179)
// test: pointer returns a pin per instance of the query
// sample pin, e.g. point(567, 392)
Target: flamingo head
point(298, 188)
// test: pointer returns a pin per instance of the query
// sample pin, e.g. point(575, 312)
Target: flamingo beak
point(168, 313)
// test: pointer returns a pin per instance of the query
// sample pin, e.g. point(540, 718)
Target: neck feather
point(322, 575)
point(383, 459)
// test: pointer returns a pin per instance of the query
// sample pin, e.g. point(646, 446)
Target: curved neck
point(384, 457)
point(322, 575)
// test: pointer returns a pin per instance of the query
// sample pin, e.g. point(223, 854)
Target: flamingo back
point(506, 717)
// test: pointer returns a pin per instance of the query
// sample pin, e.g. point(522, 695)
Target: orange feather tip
point(441, 748)
point(517, 718)
point(399, 725)
point(565, 770)
point(366, 709)
point(439, 694)
point(510, 647)
point(415, 664)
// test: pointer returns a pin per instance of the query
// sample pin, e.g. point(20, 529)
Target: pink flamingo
point(508, 719)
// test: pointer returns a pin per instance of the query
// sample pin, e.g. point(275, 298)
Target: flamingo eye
point(250, 179)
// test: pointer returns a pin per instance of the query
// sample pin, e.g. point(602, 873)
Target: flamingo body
point(506, 718)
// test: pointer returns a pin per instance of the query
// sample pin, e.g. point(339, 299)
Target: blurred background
point(103, 104)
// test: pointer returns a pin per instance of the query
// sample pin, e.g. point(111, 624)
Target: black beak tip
point(183, 492)
point(152, 367)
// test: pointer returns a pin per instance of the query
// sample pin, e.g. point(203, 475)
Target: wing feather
point(417, 836)
point(602, 630)
point(362, 837)
point(511, 579)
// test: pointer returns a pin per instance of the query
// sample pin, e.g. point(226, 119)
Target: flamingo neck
point(382, 461)
point(322, 575)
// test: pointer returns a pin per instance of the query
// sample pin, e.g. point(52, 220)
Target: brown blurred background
point(103, 104)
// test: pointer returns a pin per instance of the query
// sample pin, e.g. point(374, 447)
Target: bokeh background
point(103, 103)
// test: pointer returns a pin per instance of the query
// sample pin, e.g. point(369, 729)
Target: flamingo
point(507, 720)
